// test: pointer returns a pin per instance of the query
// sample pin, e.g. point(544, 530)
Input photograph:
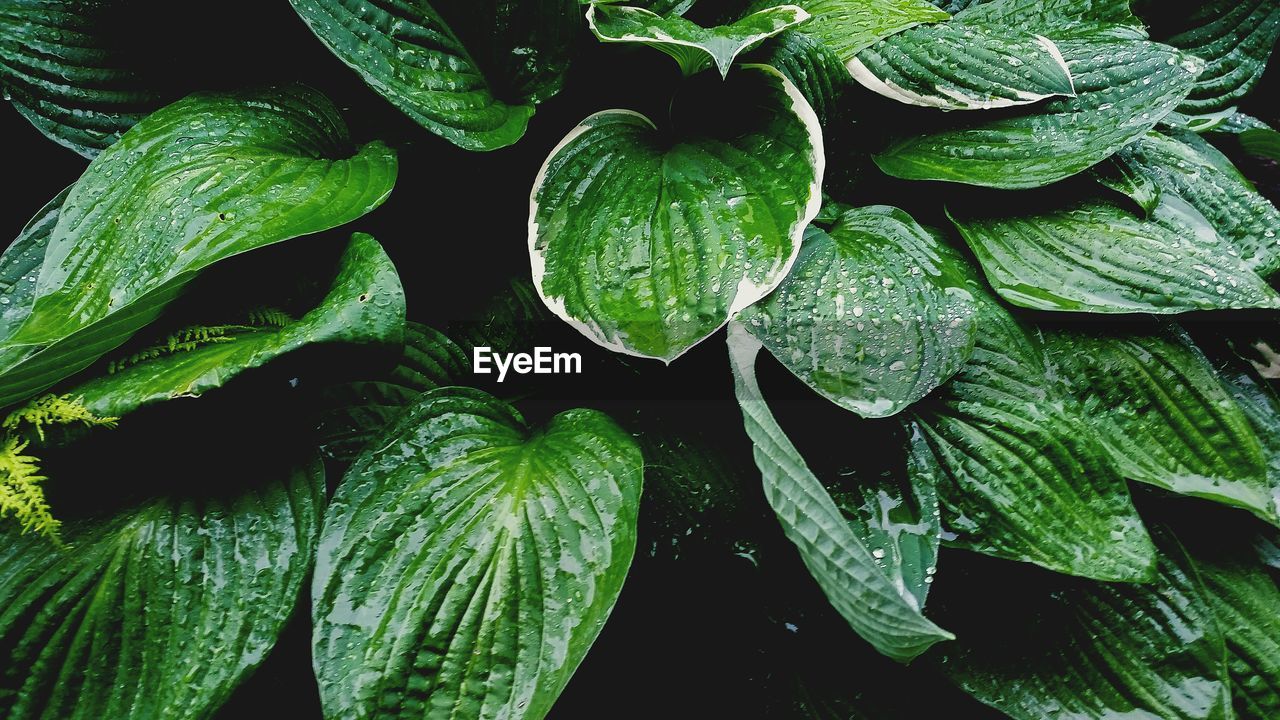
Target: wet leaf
point(1235, 39)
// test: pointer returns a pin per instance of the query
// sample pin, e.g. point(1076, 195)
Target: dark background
point(718, 617)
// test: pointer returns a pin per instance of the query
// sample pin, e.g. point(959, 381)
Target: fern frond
point(54, 409)
point(269, 317)
point(21, 494)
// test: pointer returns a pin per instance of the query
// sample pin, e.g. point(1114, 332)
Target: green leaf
point(206, 178)
point(348, 416)
point(364, 305)
point(1205, 178)
point(1262, 142)
point(1235, 39)
point(1123, 88)
point(470, 72)
point(648, 245)
point(1125, 177)
point(66, 66)
point(1058, 19)
point(20, 265)
point(812, 67)
point(873, 599)
point(693, 47)
point(1019, 471)
point(874, 315)
point(1164, 416)
point(467, 562)
point(1075, 649)
point(964, 67)
point(1095, 256)
point(160, 610)
point(1247, 604)
point(850, 26)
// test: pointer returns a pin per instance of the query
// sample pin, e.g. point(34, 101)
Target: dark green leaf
point(1235, 38)
point(850, 26)
point(1123, 88)
point(467, 562)
point(156, 611)
point(874, 315)
point(1058, 19)
point(873, 598)
point(471, 72)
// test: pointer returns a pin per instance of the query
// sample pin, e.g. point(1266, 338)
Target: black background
point(718, 617)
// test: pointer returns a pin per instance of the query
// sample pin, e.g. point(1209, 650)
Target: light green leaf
point(1095, 256)
point(693, 47)
point(1164, 416)
point(470, 72)
point(348, 416)
point(1097, 651)
point(66, 66)
point(1205, 178)
point(648, 245)
point(1019, 471)
point(160, 610)
point(206, 178)
point(874, 315)
point(850, 26)
point(1247, 604)
point(964, 67)
point(1123, 88)
point(873, 599)
point(364, 305)
point(468, 562)
point(1058, 19)
point(1235, 39)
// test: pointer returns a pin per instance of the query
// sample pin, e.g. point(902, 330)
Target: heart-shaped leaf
point(467, 562)
point(1205, 178)
point(1067, 648)
point(1096, 256)
point(1019, 471)
point(66, 66)
point(364, 305)
point(874, 599)
point(1123, 88)
point(1164, 416)
point(874, 315)
point(648, 245)
point(693, 47)
point(469, 71)
point(964, 67)
point(160, 610)
point(1235, 39)
point(201, 180)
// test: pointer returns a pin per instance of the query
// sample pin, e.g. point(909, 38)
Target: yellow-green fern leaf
point(21, 493)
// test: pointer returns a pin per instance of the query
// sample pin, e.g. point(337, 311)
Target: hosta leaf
point(693, 47)
point(1095, 256)
point(876, 604)
point(159, 610)
point(850, 26)
point(1076, 649)
point(874, 315)
point(1263, 142)
point(1019, 472)
point(468, 562)
point(364, 305)
point(20, 265)
point(1206, 179)
point(964, 67)
point(1058, 19)
point(469, 72)
point(206, 178)
point(66, 66)
point(1125, 177)
point(1235, 39)
point(350, 415)
point(1247, 604)
point(897, 517)
point(1123, 88)
point(812, 67)
point(1164, 417)
point(646, 245)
